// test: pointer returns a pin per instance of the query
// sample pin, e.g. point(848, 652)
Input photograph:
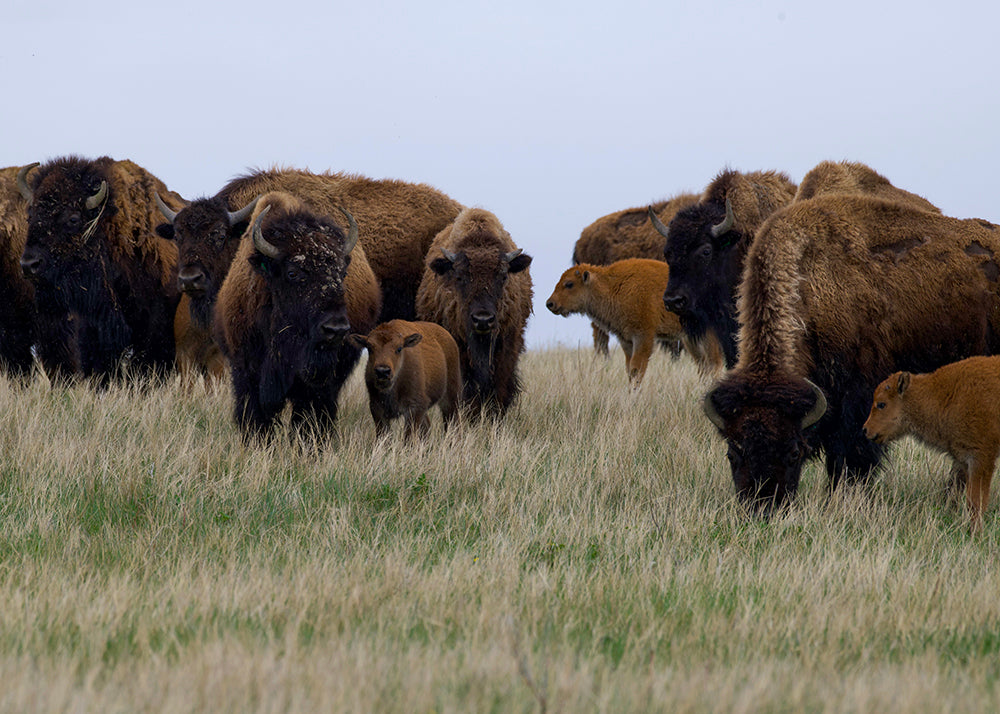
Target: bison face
point(386, 355)
point(886, 421)
point(207, 236)
point(478, 279)
point(568, 296)
point(764, 426)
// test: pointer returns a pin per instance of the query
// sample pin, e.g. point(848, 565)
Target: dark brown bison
point(297, 287)
point(397, 222)
point(105, 283)
point(706, 245)
point(955, 409)
point(411, 367)
point(477, 286)
point(622, 235)
point(840, 291)
point(18, 328)
point(852, 177)
point(197, 352)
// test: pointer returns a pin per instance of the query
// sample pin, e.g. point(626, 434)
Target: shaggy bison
point(105, 284)
point(411, 367)
point(852, 177)
point(18, 328)
point(298, 286)
point(955, 409)
point(477, 286)
point(840, 291)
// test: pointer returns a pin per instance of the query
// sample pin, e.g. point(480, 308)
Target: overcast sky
point(549, 114)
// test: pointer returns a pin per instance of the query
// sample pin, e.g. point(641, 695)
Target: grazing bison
point(706, 245)
point(625, 299)
point(397, 222)
point(955, 409)
point(476, 284)
point(105, 284)
point(625, 234)
point(851, 177)
point(411, 367)
point(297, 287)
point(840, 291)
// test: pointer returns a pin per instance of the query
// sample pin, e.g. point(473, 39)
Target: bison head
point(886, 420)
point(764, 422)
point(386, 347)
point(568, 297)
point(703, 252)
point(207, 234)
point(478, 279)
point(303, 259)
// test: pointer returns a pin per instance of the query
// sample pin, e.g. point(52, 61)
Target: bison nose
point(382, 372)
point(333, 330)
point(191, 280)
point(551, 305)
point(483, 321)
point(31, 265)
point(674, 302)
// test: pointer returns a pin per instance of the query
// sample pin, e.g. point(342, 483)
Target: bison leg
point(253, 420)
point(417, 423)
point(958, 478)
point(600, 341)
point(977, 492)
point(642, 348)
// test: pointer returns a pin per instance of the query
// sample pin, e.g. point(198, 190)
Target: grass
point(587, 554)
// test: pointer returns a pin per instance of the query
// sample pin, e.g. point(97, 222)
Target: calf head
point(764, 421)
point(207, 234)
point(387, 348)
point(886, 420)
point(569, 295)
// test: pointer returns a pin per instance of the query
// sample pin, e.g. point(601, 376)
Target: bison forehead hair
point(312, 244)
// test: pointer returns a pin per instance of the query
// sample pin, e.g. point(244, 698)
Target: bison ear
point(165, 230)
point(586, 276)
point(441, 266)
point(357, 340)
point(903, 383)
point(521, 262)
point(261, 263)
point(413, 339)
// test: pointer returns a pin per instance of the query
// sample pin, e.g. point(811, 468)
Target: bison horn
point(22, 181)
point(657, 223)
point(98, 198)
point(262, 246)
point(352, 232)
point(726, 225)
point(164, 208)
point(507, 257)
point(452, 257)
point(709, 408)
point(818, 410)
point(244, 213)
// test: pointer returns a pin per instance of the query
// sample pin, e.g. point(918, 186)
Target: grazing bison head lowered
point(764, 424)
point(207, 234)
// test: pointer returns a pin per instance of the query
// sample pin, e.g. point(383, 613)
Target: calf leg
point(642, 348)
point(957, 480)
point(600, 340)
point(977, 492)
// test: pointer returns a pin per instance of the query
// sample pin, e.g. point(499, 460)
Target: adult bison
point(840, 291)
point(397, 222)
point(297, 287)
point(476, 285)
point(105, 284)
point(622, 235)
point(705, 247)
point(853, 177)
point(18, 328)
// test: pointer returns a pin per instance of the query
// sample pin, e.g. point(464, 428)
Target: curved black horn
point(352, 231)
point(507, 257)
point(22, 182)
point(164, 208)
point(244, 213)
point(262, 246)
point(452, 257)
point(727, 223)
point(657, 223)
point(98, 198)
point(818, 410)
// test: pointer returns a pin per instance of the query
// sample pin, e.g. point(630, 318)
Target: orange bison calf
point(411, 367)
point(956, 409)
point(626, 299)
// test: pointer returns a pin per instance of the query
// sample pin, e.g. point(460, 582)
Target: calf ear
point(359, 341)
point(412, 339)
point(519, 263)
point(586, 276)
point(903, 383)
point(165, 230)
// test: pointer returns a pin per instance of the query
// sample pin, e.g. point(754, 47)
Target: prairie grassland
point(585, 555)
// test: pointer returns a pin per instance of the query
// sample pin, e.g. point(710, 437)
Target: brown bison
point(955, 409)
point(396, 220)
point(477, 286)
point(851, 177)
point(841, 291)
point(298, 286)
point(197, 353)
point(625, 234)
point(706, 245)
point(411, 367)
point(625, 299)
point(18, 328)
point(105, 283)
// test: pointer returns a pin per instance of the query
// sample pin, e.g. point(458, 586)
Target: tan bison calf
point(411, 367)
point(955, 409)
point(626, 299)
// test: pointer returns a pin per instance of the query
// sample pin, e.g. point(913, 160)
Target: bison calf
point(626, 299)
point(411, 367)
point(955, 409)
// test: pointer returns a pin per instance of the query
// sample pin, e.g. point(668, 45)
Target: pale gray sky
point(549, 114)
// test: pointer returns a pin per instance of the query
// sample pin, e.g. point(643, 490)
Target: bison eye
point(569, 285)
point(705, 253)
point(794, 454)
point(734, 456)
point(880, 405)
point(73, 220)
point(294, 275)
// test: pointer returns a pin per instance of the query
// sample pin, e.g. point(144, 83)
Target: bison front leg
point(642, 348)
point(977, 491)
point(253, 420)
point(958, 478)
point(600, 340)
point(418, 423)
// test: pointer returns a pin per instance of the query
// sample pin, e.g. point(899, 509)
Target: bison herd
point(801, 298)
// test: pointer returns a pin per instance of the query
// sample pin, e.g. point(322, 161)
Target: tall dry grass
point(585, 555)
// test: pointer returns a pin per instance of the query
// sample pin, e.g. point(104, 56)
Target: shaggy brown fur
point(18, 328)
point(624, 299)
point(851, 177)
point(274, 316)
point(483, 298)
point(955, 409)
point(625, 234)
point(197, 353)
point(411, 367)
point(843, 290)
